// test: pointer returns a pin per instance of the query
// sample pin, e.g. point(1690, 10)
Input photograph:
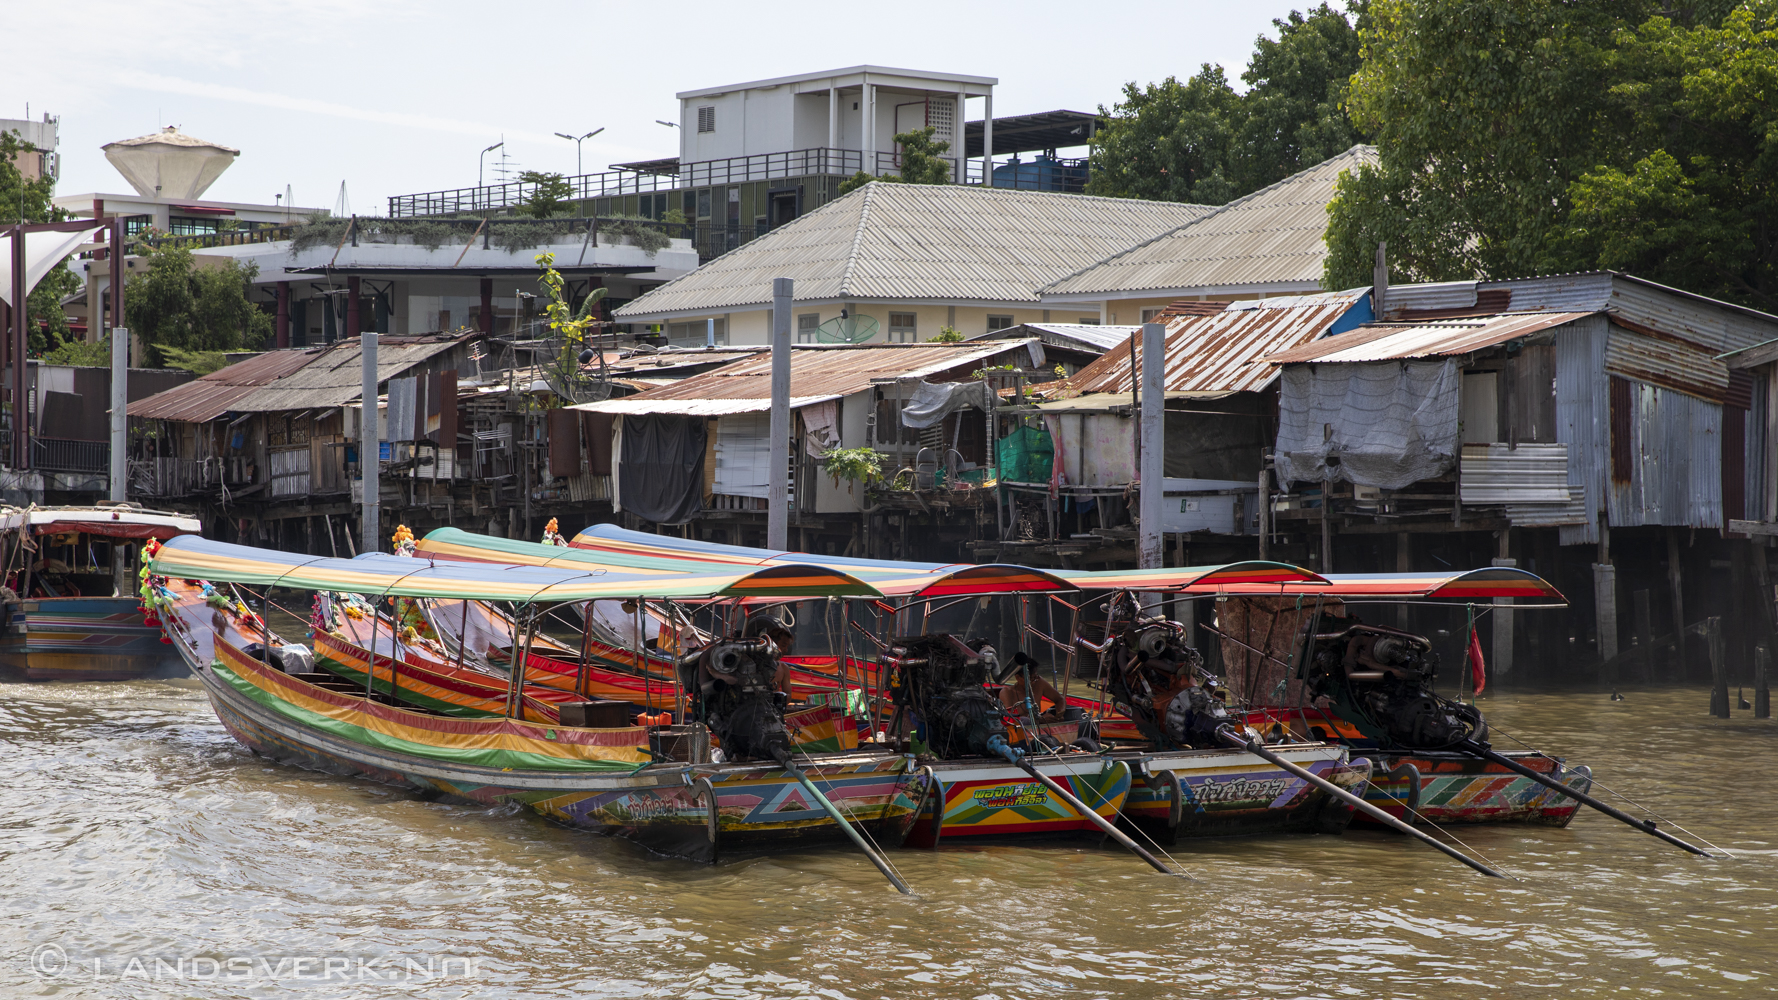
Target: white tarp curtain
point(744, 455)
point(43, 251)
point(821, 428)
point(932, 402)
point(1385, 424)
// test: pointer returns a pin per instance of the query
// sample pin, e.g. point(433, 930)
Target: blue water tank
point(1042, 173)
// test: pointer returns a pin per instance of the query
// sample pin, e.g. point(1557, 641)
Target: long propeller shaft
point(1258, 749)
point(1645, 825)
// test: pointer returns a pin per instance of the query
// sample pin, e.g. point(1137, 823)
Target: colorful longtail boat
point(605, 780)
point(75, 614)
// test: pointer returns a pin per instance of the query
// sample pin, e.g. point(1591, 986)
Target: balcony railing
point(704, 173)
point(61, 455)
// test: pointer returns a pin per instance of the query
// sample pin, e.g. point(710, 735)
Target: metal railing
point(227, 237)
point(820, 161)
point(62, 455)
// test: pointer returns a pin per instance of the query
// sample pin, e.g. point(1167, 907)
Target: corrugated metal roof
point(919, 242)
point(1389, 341)
point(335, 377)
point(638, 406)
point(217, 393)
point(1273, 236)
point(816, 374)
point(1220, 352)
point(1103, 336)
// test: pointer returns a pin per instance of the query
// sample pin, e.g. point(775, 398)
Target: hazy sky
point(394, 96)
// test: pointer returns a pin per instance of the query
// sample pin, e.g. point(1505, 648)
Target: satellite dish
point(846, 330)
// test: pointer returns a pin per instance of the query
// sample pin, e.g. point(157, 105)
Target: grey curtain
point(662, 478)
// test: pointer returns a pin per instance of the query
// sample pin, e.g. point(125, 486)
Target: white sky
point(398, 96)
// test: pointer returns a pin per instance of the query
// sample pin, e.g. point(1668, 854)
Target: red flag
point(1478, 670)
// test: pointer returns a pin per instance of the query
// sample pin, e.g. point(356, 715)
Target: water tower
point(169, 164)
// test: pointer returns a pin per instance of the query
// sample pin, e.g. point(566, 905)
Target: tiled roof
point(920, 242)
point(1268, 239)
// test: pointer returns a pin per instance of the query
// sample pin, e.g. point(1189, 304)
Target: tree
point(1484, 112)
point(1167, 141)
point(29, 201)
point(549, 194)
point(922, 162)
point(1199, 141)
point(178, 304)
point(1686, 187)
point(922, 158)
point(1293, 115)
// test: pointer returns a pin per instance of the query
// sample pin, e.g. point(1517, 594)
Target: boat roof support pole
point(778, 492)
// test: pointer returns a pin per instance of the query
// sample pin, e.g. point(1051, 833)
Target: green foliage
point(196, 362)
point(1520, 137)
point(922, 159)
point(641, 233)
point(674, 216)
point(922, 162)
point(80, 354)
point(549, 194)
point(861, 465)
point(1484, 111)
point(1168, 141)
point(947, 335)
point(855, 182)
point(570, 324)
point(1685, 185)
point(1199, 141)
point(178, 304)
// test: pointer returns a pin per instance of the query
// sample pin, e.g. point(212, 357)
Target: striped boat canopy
point(1262, 575)
point(192, 558)
point(657, 554)
point(1468, 585)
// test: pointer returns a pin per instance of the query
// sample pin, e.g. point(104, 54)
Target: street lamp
point(577, 141)
point(657, 121)
point(480, 163)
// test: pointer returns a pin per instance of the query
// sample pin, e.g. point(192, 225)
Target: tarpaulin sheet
point(663, 468)
point(1386, 424)
point(821, 427)
point(934, 401)
point(1026, 456)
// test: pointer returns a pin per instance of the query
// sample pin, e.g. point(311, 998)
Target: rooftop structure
point(878, 255)
point(169, 163)
point(38, 158)
point(1269, 242)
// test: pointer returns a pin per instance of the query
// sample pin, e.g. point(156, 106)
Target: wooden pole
point(1673, 586)
point(1719, 678)
point(1645, 634)
point(1762, 692)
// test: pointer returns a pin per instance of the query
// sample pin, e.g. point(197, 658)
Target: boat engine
point(939, 680)
point(1381, 679)
point(1159, 681)
point(736, 687)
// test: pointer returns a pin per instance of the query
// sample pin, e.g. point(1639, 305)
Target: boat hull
point(989, 798)
point(1221, 793)
point(691, 811)
point(82, 639)
point(1455, 788)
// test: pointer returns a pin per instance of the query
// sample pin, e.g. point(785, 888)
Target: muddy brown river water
point(144, 854)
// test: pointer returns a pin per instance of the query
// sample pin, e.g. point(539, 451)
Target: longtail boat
point(1391, 712)
point(975, 792)
point(72, 612)
point(609, 780)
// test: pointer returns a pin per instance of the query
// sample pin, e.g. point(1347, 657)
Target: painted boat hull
point(1442, 787)
point(982, 798)
point(675, 809)
point(1222, 793)
point(1455, 788)
point(82, 639)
